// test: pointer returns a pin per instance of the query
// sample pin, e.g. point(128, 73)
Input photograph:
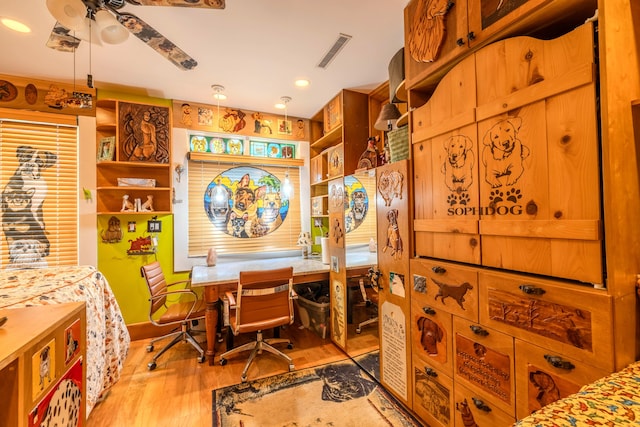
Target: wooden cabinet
point(42, 365)
point(140, 155)
point(339, 133)
point(529, 239)
point(439, 34)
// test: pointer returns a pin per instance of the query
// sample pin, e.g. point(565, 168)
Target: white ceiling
point(254, 48)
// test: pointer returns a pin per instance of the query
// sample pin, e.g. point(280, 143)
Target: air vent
point(335, 49)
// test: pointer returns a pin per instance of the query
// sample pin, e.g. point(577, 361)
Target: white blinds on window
point(38, 178)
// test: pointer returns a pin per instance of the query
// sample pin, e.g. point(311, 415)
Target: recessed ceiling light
point(302, 82)
point(14, 25)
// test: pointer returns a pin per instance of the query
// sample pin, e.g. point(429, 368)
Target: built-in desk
point(224, 276)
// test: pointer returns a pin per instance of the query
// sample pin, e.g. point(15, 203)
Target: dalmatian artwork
point(64, 406)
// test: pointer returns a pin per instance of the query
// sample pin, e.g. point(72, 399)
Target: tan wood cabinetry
point(146, 163)
point(42, 365)
point(438, 34)
point(542, 245)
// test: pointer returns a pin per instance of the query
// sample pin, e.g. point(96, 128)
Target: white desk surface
point(227, 271)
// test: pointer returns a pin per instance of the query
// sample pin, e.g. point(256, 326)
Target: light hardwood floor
point(178, 392)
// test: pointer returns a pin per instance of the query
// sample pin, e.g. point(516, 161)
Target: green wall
point(123, 270)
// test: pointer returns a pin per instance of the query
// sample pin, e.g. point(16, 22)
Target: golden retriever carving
point(504, 153)
point(458, 165)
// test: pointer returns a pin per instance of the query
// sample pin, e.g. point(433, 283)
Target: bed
point(107, 335)
point(611, 401)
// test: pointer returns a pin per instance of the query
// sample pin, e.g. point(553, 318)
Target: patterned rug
point(337, 394)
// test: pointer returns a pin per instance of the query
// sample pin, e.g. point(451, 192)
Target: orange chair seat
point(176, 312)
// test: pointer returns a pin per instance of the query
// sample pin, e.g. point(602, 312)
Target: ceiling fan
point(102, 20)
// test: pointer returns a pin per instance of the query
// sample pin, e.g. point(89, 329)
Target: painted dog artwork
point(456, 292)
point(22, 203)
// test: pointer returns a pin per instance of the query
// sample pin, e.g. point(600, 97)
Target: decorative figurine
point(148, 205)
point(369, 159)
point(127, 206)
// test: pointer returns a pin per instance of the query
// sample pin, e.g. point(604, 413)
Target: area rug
point(338, 394)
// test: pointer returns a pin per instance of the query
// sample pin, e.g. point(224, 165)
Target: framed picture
point(273, 150)
point(154, 226)
point(107, 148)
point(284, 127)
point(258, 149)
point(288, 151)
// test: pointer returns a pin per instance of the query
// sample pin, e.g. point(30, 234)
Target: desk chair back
point(264, 300)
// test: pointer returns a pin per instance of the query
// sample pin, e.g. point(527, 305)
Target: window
point(242, 209)
point(39, 184)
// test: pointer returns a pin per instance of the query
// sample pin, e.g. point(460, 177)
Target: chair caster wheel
point(201, 359)
point(358, 330)
point(149, 348)
point(223, 362)
point(151, 366)
point(243, 378)
point(292, 368)
point(289, 346)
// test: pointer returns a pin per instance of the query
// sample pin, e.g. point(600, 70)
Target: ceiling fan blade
point(209, 4)
point(156, 41)
point(61, 39)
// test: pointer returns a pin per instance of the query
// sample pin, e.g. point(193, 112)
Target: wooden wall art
point(144, 133)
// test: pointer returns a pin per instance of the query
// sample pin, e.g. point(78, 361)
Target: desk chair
point(179, 313)
point(264, 300)
point(370, 297)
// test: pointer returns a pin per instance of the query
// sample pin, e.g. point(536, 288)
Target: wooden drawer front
point(335, 161)
point(543, 376)
point(432, 394)
point(473, 410)
point(431, 332)
point(574, 320)
point(446, 286)
point(484, 362)
point(539, 171)
point(446, 170)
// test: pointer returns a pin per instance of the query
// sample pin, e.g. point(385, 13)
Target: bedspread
point(611, 401)
point(107, 335)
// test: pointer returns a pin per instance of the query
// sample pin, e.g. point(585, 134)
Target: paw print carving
point(496, 197)
point(464, 199)
point(513, 195)
point(452, 199)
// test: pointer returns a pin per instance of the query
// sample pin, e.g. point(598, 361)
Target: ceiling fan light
point(110, 29)
point(69, 13)
point(89, 32)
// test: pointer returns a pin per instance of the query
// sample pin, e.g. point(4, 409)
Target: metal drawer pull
point(450, 4)
point(479, 330)
point(532, 290)
point(471, 35)
point(430, 372)
point(558, 362)
point(438, 270)
point(460, 42)
point(429, 310)
point(480, 405)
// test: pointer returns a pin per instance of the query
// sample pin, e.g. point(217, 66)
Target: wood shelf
point(328, 140)
point(217, 158)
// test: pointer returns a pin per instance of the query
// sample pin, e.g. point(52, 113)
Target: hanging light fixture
point(218, 95)
point(287, 188)
point(388, 117)
point(111, 31)
point(69, 13)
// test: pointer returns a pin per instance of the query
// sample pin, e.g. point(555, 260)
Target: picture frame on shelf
point(107, 148)
point(288, 151)
point(258, 149)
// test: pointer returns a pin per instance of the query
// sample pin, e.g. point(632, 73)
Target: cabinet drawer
point(432, 394)
point(544, 376)
point(446, 286)
point(473, 410)
point(484, 362)
point(572, 319)
point(431, 332)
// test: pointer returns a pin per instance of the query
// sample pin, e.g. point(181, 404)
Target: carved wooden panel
point(484, 361)
point(472, 410)
point(433, 394)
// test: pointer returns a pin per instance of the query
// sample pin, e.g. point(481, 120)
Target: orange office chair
point(180, 313)
point(264, 300)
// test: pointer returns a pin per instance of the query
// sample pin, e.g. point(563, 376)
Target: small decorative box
point(136, 182)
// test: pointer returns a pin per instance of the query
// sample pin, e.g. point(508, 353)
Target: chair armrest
point(180, 282)
point(232, 299)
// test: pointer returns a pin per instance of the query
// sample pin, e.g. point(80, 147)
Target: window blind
point(39, 181)
point(204, 234)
